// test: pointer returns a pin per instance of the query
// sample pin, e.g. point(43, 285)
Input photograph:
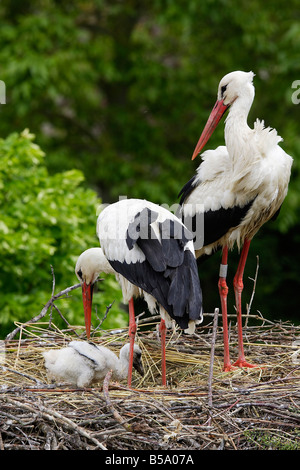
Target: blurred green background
point(116, 94)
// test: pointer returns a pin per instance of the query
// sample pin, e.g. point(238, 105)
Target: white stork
point(82, 363)
point(241, 186)
point(152, 255)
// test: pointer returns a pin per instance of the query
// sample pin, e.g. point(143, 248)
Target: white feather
point(252, 166)
point(112, 226)
point(82, 363)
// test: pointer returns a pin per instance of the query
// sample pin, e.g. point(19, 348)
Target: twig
point(65, 320)
point(109, 404)
point(53, 415)
point(51, 441)
point(44, 311)
point(212, 355)
point(53, 290)
point(253, 290)
point(1, 442)
point(105, 316)
point(233, 315)
point(22, 374)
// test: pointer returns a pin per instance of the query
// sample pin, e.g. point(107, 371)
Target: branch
point(64, 319)
point(253, 290)
point(212, 355)
point(44, 311)
point(109, 404)
point(105, 316)
point(54, 416)
point(4, 368)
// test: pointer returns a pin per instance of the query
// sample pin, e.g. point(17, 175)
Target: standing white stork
point(241, 186)
point(152, 255)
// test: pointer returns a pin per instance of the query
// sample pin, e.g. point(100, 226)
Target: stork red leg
point(223, 290)
point(162, 330)
point(238, 288)
point(132, 332)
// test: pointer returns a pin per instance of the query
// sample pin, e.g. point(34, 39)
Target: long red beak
point(87, 297)
point(212, 122)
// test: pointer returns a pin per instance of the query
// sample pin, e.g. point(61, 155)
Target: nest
point(201, 408)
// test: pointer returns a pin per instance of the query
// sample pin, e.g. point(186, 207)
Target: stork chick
point(82, 363)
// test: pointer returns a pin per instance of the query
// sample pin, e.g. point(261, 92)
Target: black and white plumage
point(153, 251)
point(152, 255)
point(82, 363)
point(238, 187)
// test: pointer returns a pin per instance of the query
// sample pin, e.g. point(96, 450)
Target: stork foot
point(228, 367)
point(244, 363)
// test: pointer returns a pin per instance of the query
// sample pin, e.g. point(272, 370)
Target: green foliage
point(45, 220)
point(121, 91)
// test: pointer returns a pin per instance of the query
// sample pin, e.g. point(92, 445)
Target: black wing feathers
point(276, 214)
point(185, 280)
point(215, 223)
point(174, 237)
point(140, 232)
point(169, 272)
point(187, 189)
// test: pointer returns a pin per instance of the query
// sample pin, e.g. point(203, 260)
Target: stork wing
point(166, 268)
point(89, 351)
point(187, 189)
point(216, 223)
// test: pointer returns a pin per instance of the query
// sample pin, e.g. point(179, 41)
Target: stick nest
point(201, 408)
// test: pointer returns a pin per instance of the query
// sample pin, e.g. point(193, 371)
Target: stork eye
point(223, 89)
point(79, 273)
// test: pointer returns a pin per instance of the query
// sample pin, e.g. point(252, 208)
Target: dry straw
point(201, 408)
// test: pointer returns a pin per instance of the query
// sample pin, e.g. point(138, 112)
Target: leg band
point(223, 270)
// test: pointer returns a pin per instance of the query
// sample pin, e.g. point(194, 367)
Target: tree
point(46, 220)
point(121, 90)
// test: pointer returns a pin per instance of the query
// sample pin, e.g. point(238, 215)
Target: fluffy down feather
point(82, 363)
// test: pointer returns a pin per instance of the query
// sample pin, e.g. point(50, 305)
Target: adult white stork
point(241, 186)
point(152, 255)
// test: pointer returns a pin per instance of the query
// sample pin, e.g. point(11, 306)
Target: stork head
point(137, 357)
point(235, 86)
point(89, 265)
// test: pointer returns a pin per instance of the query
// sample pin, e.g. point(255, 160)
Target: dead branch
point(104, 317)
point(54, 416)
point(29, 377)
point(45, 309)
point(115, 413)
point(253, 290)
point(212, 356)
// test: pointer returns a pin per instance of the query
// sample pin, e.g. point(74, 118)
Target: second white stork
point(152, 255)
point(237, 188)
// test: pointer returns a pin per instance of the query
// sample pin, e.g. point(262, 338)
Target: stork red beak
point(212, 122)
point(87, 297)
